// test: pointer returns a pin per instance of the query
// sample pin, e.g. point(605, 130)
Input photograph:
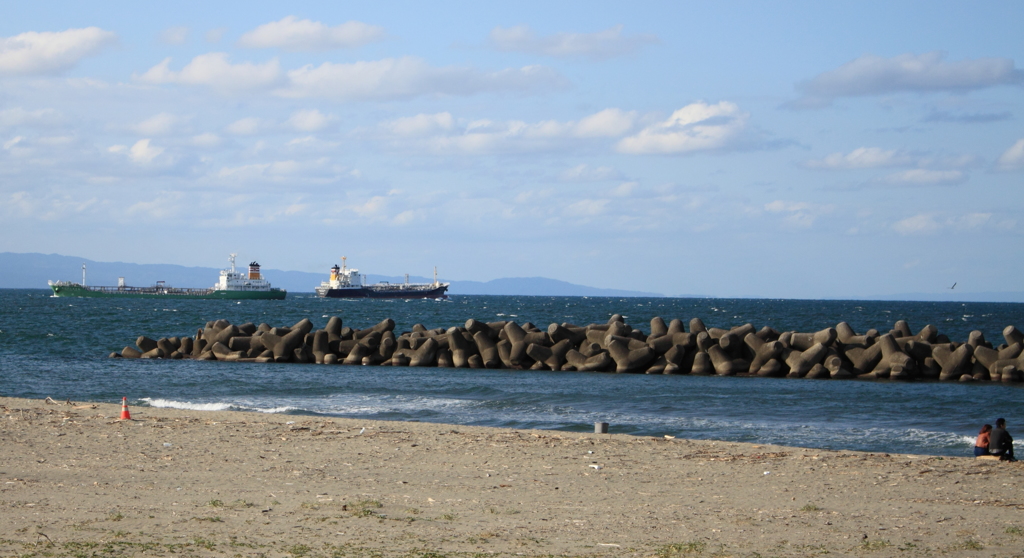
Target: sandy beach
point(77, 481)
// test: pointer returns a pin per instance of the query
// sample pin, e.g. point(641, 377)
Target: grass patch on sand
point(204, 543)
point(966, 544)
point(109, 549)
point(365, 508)
point(680, 549)
point(298, 550)
point(810, 508)
point(872, 545)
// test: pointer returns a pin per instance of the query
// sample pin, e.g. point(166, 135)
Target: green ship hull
point(76, 290)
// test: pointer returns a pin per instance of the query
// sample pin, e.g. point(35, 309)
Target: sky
point(752, 149)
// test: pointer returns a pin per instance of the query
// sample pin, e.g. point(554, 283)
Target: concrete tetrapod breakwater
point(669, 348)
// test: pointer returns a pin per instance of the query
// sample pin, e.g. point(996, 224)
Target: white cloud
point(925, 223)
point(214, 36)
point(45, 206)
point(174, 35)
point(164, 206)
point(313, 144)
point(950, 161)
point(409, 216)
point(293, 34)
point(918, 224)
point(929, 72)
point(318, 169)
point(972, 220)
point(1012, 158)
point(157, 125)
point(142, 152)
point(443, 133)
point(586, 208)
point(13, 142)
point(55, 140)
point(390, 78)
point(206, 140)
point(275, 169)
point(21, 117)
point(374, 207)
point(695, 127)
point(625, 189)
point(608, 123)
point(50, 52)
point(862, 158)
point(600, 45)
point(407, 77)
point(584, 173)
point(245, 126)
point(216, 71)
point(308, 120)
point(799, 214)
point(926, 177)
point(421, 125)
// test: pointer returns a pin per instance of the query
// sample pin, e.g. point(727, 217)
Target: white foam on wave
point(271, 410)
point(219, 406)
point(332, 405)
point(368, 405)
point(186, 405)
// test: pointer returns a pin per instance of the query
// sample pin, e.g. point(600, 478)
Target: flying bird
point(954, 286)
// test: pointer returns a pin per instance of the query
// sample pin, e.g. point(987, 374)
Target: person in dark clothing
point(1000, 442)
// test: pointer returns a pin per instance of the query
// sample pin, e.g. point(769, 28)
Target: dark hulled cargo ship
point(347, 282)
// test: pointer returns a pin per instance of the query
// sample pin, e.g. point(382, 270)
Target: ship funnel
point(254, 270)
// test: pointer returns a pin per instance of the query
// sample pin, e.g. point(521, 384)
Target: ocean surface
point(58, 347)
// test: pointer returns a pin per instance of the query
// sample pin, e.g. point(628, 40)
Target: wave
point(566, 416)
point(218, 406)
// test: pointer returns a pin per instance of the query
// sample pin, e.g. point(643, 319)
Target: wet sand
point(76, 481)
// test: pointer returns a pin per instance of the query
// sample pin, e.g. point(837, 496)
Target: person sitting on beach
point(981, 446)
point(1000, 442)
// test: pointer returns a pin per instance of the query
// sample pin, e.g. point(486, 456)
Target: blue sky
point(731, 149)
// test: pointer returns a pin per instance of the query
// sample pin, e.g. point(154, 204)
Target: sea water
point(58, 347)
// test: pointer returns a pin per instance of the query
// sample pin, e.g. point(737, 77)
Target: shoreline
point(253, 484)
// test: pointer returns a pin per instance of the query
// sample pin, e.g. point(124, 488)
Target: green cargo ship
point(233, 285)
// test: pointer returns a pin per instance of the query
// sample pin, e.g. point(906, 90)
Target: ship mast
point(231, 259)
point(83, 275)
point(343, 258)
point(435, 275)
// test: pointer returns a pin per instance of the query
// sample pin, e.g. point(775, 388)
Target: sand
point(76, 481)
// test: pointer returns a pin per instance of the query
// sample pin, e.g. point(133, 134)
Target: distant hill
point(32, 271)
point(536, 286)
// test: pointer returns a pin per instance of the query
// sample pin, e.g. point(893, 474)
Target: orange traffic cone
point(125, 415)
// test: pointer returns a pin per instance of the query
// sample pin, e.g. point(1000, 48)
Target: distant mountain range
point(32, 271)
